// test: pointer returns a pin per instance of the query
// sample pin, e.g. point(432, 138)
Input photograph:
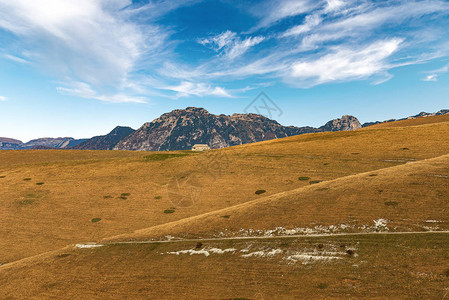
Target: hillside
point(274, 263)
point(421, 119)
point(134, 190)
point(410, 197)
point(413, 121)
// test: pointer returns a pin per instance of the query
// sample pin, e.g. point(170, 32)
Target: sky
point(80, 68)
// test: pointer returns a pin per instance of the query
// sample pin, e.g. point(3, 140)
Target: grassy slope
point(407, 196)
point(401, 266)
point(412, 122)
point(38, 218)
point(394, 267)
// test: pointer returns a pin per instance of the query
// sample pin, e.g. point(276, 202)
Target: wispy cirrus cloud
point(2, 98)
point(186, 89)
point(84, 90)
point(120, 51)
point(16, 59)
point(230, 45)
point(344, 64)
point(310, 22)
point(279, 10)
point(339, 41)
point(95, 42)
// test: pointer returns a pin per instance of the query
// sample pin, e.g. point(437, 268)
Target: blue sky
point(79, 68)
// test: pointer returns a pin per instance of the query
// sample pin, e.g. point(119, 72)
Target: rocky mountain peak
point(183, 128)
point(345, 123)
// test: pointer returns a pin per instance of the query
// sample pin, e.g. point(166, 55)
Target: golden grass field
point(393, 267)
point(397, 173)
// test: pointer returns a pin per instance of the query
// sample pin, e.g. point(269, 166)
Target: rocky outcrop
point(344, 124)
point(106, 142)
point(183, 128)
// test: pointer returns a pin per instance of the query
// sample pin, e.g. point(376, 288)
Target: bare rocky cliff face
point(345, 123)
point(183, 128)
point(105, 142)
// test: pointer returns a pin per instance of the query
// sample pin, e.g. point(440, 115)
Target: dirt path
point(277, 237)
point(95, 245)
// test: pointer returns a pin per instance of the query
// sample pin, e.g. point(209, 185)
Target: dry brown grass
point(419, 192)
point(366, 178)
point(77, 183)
point(412, 122)
point(387, 267)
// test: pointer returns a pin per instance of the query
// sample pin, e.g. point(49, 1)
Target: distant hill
point(57, 143)
point(10, 144)
point(105, 142)
point(420, 115)
point(182, 128)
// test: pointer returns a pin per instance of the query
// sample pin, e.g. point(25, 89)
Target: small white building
point(200, 147)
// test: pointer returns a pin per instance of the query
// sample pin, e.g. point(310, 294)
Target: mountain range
point(105, 142)
point(420, 115)
point(182, 128)
point(50, 143)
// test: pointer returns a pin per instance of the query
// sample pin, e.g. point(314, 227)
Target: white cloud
point(2, 98)
point(334, 5)
point(431, 77)
point(282, 9)
point(186, 89)
point(230, 44)
point(116, 51)
point(155, 9)
point(373, 17)
point(345, 64)
point(434, 74)
point(84, 90)
point(240, 47)
point(342, 35)
point(79, 39)
point(16, 59)
point(310, 22)
point(84, 41)
point(219, 41)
